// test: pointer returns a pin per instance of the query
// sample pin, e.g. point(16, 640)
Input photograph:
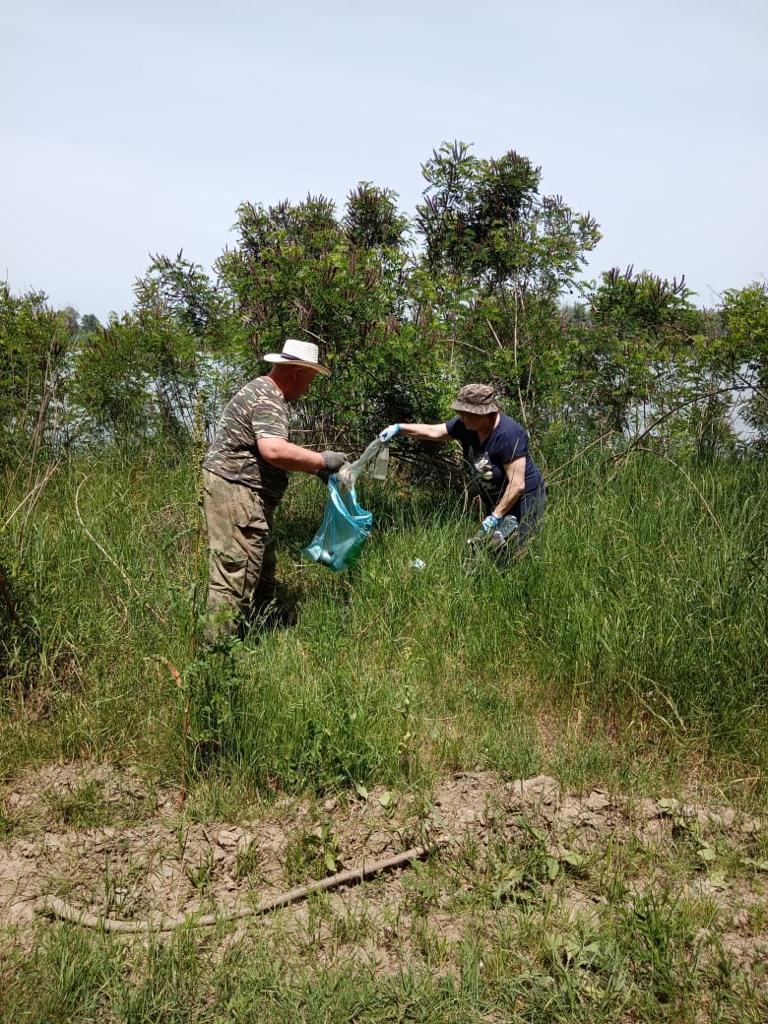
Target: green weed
point(311, 853)
point(248, 860)
point(84, 807)
point(200, 874)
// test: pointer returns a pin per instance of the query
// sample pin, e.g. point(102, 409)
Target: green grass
point(519, 957)
point(83, 808)
point(628, 644)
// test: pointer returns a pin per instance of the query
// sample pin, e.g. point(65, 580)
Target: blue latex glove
point(391, 431)
point(490, 523)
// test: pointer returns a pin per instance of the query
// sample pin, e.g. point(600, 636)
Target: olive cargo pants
point(241, 560)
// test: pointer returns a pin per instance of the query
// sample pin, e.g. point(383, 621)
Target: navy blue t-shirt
point(507, 442)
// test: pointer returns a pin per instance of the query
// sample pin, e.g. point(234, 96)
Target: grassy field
point(626, 651)
point(640, 612)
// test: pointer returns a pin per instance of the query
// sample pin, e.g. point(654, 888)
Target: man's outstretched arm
point(424, 431)
point(279, 452)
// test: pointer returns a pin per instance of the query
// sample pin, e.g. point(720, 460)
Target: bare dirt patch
point(57, 795)
point(162, 865)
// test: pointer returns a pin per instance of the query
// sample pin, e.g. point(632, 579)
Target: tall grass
point(642, 604)
point(651, 588)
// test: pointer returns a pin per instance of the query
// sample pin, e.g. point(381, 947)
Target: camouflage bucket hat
point(479, 399)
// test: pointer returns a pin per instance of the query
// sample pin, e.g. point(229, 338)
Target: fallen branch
point(53, 906)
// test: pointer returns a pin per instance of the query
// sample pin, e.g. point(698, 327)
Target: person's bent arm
point(425, 431)
point(515, 486)
point(279, 452)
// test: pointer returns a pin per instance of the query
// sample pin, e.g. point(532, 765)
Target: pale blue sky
point(135, 127)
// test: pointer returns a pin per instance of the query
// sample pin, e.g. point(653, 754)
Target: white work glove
point(389, 433)
point(490, 523)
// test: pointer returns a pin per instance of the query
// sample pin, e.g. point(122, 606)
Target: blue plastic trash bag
point(343, 531)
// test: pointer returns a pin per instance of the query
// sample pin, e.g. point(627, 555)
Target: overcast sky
point(129, 128)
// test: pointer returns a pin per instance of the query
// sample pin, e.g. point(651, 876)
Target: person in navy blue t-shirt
point(496, 452)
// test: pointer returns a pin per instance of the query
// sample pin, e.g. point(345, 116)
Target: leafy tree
point(35, 342)
point(150, 371)
point(372, 222)
point(89, 322)
point(486, 220)
point(403, 312)
point(111, 387)
point(742, 351)
point(501, 254)
point(636, 350)
point(302, 270)
point(297, 268)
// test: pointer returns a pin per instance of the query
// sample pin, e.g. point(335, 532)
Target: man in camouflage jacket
point(245, 474)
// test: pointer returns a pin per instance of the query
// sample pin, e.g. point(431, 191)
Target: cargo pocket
point(243, 505)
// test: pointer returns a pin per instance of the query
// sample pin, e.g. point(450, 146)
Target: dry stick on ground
point(125, 577)
point(55, 907)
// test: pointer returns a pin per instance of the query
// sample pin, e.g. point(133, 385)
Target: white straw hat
point(298, 353)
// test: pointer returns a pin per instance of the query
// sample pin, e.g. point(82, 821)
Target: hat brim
point(477, 410)
point(278, 357)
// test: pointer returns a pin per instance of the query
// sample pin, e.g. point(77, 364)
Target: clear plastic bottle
point(507, 526)
point(381, 465)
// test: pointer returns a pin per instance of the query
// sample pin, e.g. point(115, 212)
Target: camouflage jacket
point(257, 410)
